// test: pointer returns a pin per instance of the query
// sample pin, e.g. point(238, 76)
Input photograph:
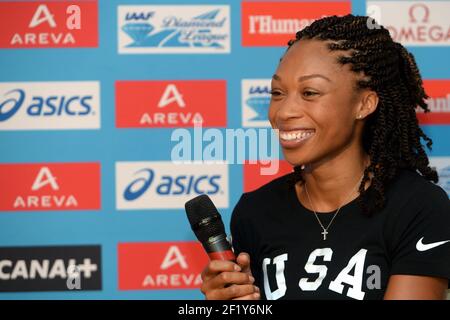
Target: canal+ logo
point(49, 105)
point(164, 185)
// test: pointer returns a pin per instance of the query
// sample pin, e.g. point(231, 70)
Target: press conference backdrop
point(90, 95)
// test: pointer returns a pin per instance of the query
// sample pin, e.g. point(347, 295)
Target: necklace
point(325, 230)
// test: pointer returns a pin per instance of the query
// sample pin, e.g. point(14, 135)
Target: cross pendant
point(325, 232)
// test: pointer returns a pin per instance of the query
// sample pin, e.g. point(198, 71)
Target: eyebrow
point(303, 78)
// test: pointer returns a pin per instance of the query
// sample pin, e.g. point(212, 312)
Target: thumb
point(243, 260)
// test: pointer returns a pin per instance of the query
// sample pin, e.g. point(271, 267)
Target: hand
point(226, 280)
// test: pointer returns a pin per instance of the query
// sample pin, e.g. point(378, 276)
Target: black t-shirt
point(290, 259)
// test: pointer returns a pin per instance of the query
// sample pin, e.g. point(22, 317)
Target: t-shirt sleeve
point(420, 235)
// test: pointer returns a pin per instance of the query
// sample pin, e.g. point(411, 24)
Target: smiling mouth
point(296, 135)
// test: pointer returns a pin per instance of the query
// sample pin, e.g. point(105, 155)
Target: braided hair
point(391, 135)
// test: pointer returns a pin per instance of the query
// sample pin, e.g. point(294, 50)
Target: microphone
point(208, 227)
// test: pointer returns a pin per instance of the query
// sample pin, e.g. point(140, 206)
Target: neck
point(334, 181)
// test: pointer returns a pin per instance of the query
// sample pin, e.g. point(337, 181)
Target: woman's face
point(314, 103)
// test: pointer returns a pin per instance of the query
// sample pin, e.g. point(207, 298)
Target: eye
point(309, 93)
point(275, 93)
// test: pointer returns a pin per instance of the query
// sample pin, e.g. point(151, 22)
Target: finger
point(236, 291)
point(243, 260)
point(215, 267)
point(253, 296)
point(227, 278)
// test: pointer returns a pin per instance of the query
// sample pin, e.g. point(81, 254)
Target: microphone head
point(204, 218)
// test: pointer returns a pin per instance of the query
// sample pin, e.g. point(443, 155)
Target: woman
point(358, 218)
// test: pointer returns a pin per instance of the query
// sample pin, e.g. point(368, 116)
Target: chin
point(294, 158)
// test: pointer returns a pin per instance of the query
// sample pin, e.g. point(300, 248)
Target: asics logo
point(11, 104)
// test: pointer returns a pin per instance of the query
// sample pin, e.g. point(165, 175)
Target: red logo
point(412, 14)
point(50, 186)
point(253, 179)
point(170, 103)
point(161, 265)
point(275, 23)
point(48, 24)
point(414, 23)
point(438, 103)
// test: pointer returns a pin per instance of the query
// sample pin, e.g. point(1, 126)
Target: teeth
point(300, 135)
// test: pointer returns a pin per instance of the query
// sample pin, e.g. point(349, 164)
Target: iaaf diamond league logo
point(174, 29)
point(255, 102)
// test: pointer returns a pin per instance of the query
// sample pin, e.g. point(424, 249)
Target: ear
point(368, 104)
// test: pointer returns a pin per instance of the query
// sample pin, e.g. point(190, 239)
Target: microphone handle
point(218, 248)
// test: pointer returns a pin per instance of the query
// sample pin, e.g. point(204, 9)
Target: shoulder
point(409, 187)
point(418, 210)
point(267, 196)
point(275, 189)
point(411, 199)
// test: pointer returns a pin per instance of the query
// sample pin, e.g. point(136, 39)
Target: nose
point(288, 109)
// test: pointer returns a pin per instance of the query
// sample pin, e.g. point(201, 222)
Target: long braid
point(391, 136)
